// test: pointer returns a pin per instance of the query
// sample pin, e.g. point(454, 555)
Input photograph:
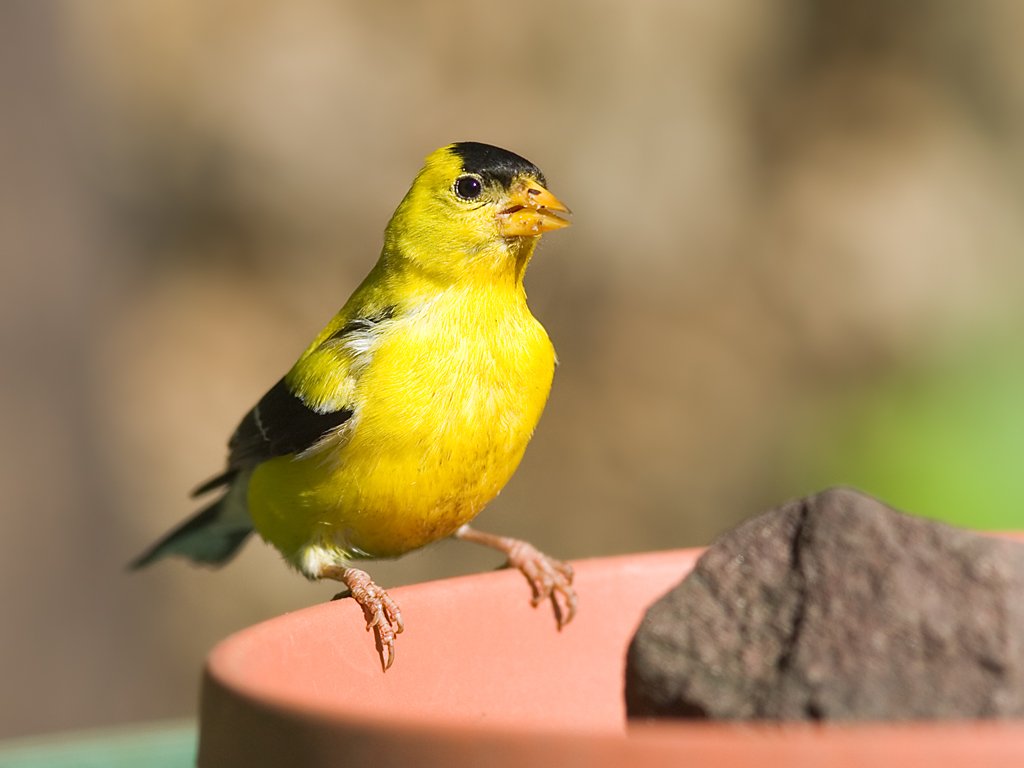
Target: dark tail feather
point(217, 481)
point(212, 537)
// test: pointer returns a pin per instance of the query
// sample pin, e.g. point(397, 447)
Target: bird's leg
point(382, 613)
point(549, 578)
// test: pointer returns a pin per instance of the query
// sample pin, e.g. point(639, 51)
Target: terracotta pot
point(481, 678)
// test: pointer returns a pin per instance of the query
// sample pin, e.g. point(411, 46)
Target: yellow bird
point(411, 410)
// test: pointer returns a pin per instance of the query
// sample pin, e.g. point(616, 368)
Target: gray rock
point(836, 607)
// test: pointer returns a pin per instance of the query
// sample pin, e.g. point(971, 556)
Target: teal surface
point(155, 745)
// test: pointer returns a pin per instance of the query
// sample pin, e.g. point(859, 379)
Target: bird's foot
point(550, 579)
point(382, 613)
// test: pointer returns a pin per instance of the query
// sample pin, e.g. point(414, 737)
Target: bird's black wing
point(279, 424)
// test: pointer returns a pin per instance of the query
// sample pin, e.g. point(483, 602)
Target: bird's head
point(473, 209)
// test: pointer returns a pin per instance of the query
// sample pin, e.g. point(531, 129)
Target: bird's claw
point(550, 579)
point(385, 619)
point(382, 613)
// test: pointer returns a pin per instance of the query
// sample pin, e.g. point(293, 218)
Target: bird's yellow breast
point(443, 411)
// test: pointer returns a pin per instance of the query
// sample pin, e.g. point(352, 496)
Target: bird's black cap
point(494, 163)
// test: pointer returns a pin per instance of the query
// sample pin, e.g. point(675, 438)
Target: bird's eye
point(468, 187)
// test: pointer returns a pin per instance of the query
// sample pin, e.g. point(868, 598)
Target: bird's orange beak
point(530, 210)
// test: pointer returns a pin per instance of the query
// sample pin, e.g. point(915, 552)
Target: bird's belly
point(428, 450)
point(423, 487)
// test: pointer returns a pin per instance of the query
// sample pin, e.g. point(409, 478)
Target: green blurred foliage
point(943, 439)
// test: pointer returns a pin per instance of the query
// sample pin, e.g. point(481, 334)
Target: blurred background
point(796, 261)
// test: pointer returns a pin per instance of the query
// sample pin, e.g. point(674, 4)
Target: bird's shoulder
point(313, 402)
point(325, 375)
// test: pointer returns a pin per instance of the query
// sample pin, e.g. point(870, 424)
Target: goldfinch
point(412, 408)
